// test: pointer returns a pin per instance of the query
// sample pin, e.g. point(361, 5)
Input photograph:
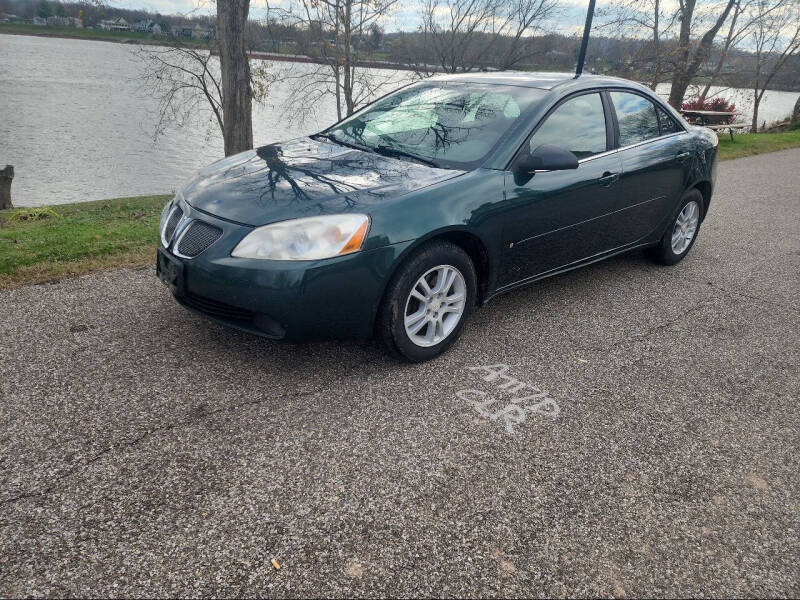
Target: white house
point(118, 24)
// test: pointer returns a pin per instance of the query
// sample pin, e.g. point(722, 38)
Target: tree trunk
point(796, 114)
point(348, 57)
point(6, 175)
point(754, 124)
point(724, 53)
point(237, 108)
point(656, 47)
point(680, 78)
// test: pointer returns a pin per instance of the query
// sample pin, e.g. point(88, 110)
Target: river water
point(76, 125)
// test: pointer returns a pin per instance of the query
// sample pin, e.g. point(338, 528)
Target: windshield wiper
point(397, 152)
point(336, 140)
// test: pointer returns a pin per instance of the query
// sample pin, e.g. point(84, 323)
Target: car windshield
point(447, 125)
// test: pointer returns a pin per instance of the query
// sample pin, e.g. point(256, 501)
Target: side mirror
point(547, 158)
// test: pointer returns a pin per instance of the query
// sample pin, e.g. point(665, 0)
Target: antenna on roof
point(586, 29)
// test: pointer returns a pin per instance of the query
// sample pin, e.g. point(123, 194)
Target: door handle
point(608, 178)
point(684, 156)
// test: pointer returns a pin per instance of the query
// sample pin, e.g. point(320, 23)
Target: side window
point(578, 125)
point(668, 124)
point(636, 116)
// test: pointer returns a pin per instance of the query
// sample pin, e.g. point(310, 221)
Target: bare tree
point(654, 22)
point(692, 52)
point(339, 37)
point(737, 28)
point(463, 35)
point(776, 37)
point(186, 83)
point(523, 19)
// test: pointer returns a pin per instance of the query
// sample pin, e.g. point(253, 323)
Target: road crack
point(52, 485)
point(744, 295)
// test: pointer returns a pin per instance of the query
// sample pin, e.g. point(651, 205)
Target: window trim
point(609, 130)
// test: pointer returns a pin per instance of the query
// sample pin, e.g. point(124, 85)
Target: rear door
point(655, 154)
point(556, 218)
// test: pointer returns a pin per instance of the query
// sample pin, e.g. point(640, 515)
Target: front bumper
point(295, 301)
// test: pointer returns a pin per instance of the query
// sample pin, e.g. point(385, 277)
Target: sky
point(404, 17)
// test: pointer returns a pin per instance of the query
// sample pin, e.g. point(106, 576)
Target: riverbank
point(99, 35)
point(47, 243)
point(372, 61)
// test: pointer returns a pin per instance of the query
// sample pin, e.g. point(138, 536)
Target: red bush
point(718, 104)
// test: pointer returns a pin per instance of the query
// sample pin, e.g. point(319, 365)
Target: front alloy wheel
point(435, 305)
point(427, 302)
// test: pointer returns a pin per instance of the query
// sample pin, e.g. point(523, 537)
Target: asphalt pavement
point(146, 451)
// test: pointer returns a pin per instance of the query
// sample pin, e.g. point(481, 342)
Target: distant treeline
point(608, 54)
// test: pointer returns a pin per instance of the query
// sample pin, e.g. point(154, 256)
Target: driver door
point(557, 218)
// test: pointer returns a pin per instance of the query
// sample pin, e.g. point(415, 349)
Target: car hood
point(302, 178)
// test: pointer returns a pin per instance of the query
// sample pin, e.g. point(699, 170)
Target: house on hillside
point(147, 26)
point(64, 22)
point(143, 26)
point(118, 24)
point(184, 31)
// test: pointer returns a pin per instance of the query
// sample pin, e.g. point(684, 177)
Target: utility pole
point(585, 42)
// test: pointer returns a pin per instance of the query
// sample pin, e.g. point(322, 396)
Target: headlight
point(309, 238)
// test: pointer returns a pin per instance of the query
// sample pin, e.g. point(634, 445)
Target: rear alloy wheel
point(428, 301)
point(682, 232)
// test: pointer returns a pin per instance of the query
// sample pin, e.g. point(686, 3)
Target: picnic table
point(718, 120)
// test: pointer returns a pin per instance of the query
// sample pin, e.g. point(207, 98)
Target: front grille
point(217, 309)
point(198, 236)
point(172, 223)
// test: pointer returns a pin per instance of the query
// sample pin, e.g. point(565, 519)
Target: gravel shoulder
point(149, 452)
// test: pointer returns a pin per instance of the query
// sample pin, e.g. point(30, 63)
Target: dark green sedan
point(401, 218)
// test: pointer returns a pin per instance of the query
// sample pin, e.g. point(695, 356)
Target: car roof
point(541, 80)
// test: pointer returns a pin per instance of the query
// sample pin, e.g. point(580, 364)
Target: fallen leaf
point(506, 566)
point(354, 570)
point(756, 481)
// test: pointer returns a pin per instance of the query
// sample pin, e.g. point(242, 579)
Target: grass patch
point(748, 144)
point(73, 239)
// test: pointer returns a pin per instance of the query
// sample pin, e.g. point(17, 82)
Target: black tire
point(663, 252)
point(391, 316)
